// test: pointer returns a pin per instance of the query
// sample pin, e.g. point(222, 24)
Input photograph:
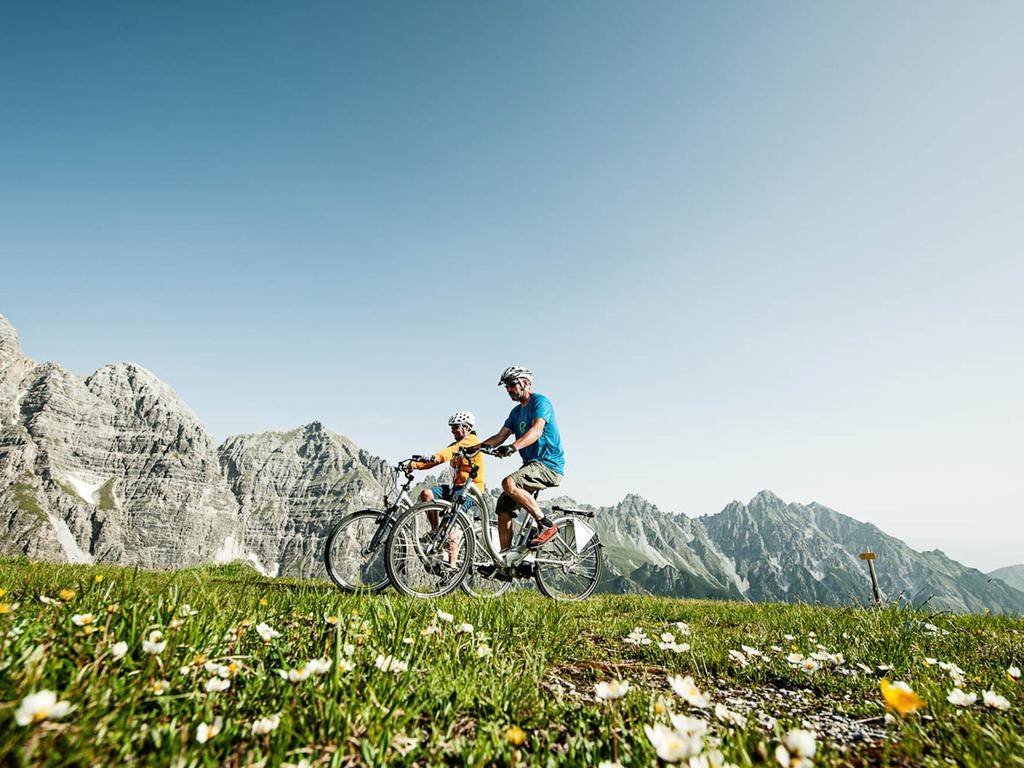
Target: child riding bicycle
point(462, 425)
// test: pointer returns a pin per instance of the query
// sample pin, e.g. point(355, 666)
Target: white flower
point(39, 706)
point(217, 684)
point(668, 637)
point(206, 732)
point(609, 764)
point(267, 632)
point(790, 638)
point(445, 616)
point(295, 675)
point(800, 742)
point(118, 650)
point(995, 701)
point(637, 637)
point(670, 745)
point(676, 647)
point(613, 690)
point(155, 644)
point(186, 610)
point(796, 659)
point(390, 664)
point(837, 658)
point(809, 666)
point(160, 687)
point(738, 657)
point(348, 649)
point(688, 726)
point(688, 691)
point(483, 651)
point(265, 725)
point(83, 619)
point(961, 699)
point(318, 666)
point(930, 662)
point(1013, 672)
point(683, 627)
point(751, 651)
point(465, 629)
point(345, 665)
point(729, 717)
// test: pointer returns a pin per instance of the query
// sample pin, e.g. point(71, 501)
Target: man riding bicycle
point(461, 423)
point(540, 444)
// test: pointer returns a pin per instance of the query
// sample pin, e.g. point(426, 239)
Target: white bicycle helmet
point(462, 417)
point(514, 373)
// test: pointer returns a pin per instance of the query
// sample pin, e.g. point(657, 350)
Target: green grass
point(454, 704)
point(106, 491)
point(25, 498)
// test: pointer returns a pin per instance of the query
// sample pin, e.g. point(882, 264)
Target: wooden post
point(870, 557)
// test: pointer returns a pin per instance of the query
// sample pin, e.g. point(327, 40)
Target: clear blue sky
point(743, 245)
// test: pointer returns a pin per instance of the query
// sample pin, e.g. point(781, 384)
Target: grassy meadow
point(222, 667)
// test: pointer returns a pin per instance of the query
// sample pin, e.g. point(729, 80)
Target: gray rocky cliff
point(112, 468)
point(291, 486)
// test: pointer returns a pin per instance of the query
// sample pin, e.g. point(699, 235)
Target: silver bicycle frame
point(578, 536)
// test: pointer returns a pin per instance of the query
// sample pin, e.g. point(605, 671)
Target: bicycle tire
point(414, 570)
point(343, 566)
point(561, 588)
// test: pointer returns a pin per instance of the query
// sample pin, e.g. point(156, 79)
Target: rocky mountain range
point(115, 467)
point(1011, 574)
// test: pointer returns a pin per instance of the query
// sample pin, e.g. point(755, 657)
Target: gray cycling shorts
point(531, 478)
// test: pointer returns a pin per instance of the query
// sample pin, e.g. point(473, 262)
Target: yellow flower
point(659, 708)
point(793, 648)
point(331, 619)
point(98, 578)
point(515, 735)
point(199, 659)
point(112, 609)
point(5, 608)
point(67, 595)
point(263, 601)
point(899, 697)
point(3, 592)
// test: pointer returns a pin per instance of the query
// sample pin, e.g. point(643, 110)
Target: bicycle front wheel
point(421, 561)
point(354, 561)
point(562, 572)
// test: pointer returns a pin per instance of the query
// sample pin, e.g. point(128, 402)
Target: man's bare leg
point(505, 529)
point(522, 498)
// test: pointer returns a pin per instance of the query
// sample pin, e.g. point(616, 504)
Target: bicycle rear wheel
point(562, 572)
point(420, 561)
point(350, 562)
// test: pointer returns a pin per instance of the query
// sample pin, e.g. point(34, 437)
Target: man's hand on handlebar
point(504, 451)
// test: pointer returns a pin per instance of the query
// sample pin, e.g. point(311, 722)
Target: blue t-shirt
point(548, 448)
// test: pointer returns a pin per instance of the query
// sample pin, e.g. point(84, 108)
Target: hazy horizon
point(742, 247)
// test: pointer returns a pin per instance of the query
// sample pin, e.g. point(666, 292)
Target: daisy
point(118, 650)
point(217, 684)
point(318, 666)
point(670, 745)
point(1013, 672)
point(155, 644)
point(738, 657)
point(206, 732)
point(797, 748)
point(83, 619)
point(995, 701)
point(688, 691)
point(613, 690)
point(683, 627)
point(465, 629)
point(445, 616)
point(265, 725)
point(961, 699)
point(160, 687)
point(39, 706)
point(390, 664)
point(266, 632)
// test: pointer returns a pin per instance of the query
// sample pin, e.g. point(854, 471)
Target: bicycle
point(418, 554)
point(354, 551)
